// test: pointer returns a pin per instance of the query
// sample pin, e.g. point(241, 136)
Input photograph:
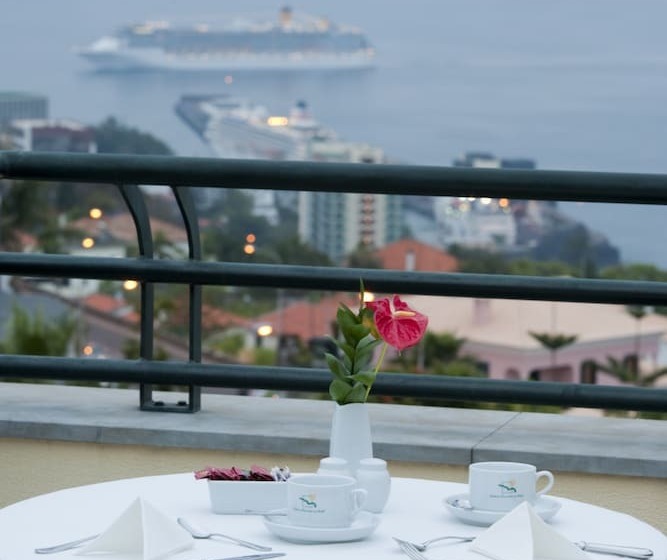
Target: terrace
point(83, 434)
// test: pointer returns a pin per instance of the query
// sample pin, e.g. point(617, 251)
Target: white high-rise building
point(338, 223)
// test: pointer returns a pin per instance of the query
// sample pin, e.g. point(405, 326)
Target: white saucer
point(364, 524)
point(459, 506)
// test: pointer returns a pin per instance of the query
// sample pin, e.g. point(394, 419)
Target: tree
point(646, 272)
point(479, 261)
point(441, 348)
point(527, 267)
point(293, 250)
point(23, 209)
point(554, 342)
point(638, 312)
point(36, 336)
point(439, 354)
point(363, 257)
point(115, 138)
point(626, 373)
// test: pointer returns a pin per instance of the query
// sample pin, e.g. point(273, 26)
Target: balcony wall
point(54, 437)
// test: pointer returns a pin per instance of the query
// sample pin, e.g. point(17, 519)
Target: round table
point(415, 511)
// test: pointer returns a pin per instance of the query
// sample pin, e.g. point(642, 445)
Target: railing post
point(188, 212)
point(137, 207)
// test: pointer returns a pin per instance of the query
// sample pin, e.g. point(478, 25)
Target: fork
point(410, 550)
point(421, 547)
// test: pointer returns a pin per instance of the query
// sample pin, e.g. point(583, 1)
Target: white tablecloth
point(415, 510)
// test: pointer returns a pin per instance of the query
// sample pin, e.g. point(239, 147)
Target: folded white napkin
point(141, 532)
point(521, 534)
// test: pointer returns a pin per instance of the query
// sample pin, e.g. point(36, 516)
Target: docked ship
point(238, 128)
point(241, 129)
point(289, 42)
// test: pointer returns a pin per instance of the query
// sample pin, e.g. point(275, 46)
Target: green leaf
point(356, 333)
point(348, 349)
point(364, 356)
point(357, 394)
point(365, 377)
point(345, 318)
point(339, 391)
point(368, 341)
point(336, 366)
point(347, 362)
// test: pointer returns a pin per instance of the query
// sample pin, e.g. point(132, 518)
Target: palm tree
point(650, 379)
point(626, 373)
point(619, 369)
point(441, 348)
point(638, 312)
point(553, 342)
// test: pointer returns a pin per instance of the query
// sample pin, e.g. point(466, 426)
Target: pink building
point(497, 333)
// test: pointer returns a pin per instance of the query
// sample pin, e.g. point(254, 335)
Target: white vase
point(351, 434)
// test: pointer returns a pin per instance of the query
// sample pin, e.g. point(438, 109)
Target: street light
point(95, 213)
point(249, 247)
point(261, 333)
point(87, 243)
point(265, 330)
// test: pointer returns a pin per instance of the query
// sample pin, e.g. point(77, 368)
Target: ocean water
point(574, 84)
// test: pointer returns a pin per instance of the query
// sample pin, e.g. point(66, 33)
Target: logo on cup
point(508, 488)
point(321, 500)
point(308, 501)
point(501, 485)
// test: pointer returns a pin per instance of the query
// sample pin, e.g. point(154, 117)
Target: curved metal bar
point(136, 205)
point(189, 214)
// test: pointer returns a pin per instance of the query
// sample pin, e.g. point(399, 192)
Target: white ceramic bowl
point(247, 496)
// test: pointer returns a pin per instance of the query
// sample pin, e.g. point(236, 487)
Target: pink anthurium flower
point(387, 322)
point(398, 325)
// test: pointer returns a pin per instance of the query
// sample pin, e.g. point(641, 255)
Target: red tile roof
point(306, 319)
point(119, 308)
point(104, 303)
point(214, 318)
point(425, 258)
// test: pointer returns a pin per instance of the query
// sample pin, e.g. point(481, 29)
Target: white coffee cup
point(501, 486)
point(323, 500)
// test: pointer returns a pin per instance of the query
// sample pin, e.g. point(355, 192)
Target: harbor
point(239, 128)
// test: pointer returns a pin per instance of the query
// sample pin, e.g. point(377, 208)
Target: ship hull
point(154, 59)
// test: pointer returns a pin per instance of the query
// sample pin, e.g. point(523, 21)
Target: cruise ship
point(241, 129)
point(289, 42)
point(238, 128)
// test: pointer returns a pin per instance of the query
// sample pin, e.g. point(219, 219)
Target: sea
point(572, 84)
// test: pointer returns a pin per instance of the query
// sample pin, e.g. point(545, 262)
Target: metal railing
point(125, 172)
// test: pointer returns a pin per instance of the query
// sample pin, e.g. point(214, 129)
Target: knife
point(263, 556)
point(616, 550)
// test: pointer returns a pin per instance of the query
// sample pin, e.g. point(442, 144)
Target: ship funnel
point(285, 16)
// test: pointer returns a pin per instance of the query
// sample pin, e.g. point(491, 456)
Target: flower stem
point(378, 365)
